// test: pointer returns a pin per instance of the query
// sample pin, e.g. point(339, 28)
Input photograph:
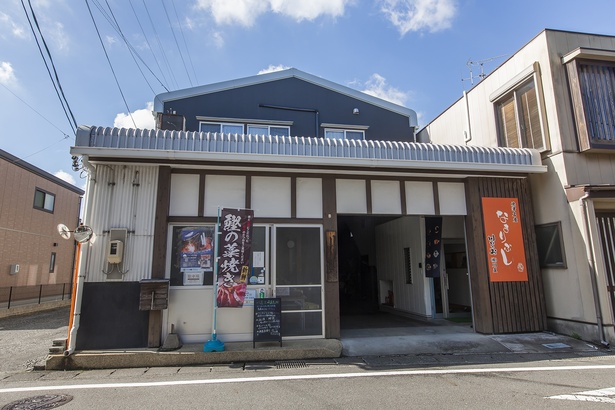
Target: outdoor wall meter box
point(115, 251)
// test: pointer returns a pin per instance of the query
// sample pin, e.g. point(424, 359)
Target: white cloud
point(273, 68)
point(218, 39)
point(378, 87)
point(57, 35)
point(7, 74)
point(143, 118)
point(110, 40)
point(245, 12)
point(417, 15)
point(65, 176)
point(15, 29)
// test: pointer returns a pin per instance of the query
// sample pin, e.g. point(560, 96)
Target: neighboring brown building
point(32, 253)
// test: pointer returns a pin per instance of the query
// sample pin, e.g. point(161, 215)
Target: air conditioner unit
point(171, 122)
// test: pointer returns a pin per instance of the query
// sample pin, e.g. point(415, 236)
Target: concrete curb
point(192, 355)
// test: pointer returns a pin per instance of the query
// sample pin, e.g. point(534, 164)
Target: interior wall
point(410, 296)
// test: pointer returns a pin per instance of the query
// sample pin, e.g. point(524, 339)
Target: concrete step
point(56, 350)
point(59, 342)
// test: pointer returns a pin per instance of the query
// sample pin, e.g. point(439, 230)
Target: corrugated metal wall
point(124, 197)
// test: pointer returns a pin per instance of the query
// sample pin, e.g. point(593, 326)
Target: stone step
point(59, 342)
point(56, 350)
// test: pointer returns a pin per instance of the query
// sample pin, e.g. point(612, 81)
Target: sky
point(112, 57)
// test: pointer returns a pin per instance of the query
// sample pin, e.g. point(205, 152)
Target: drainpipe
point(592, 269)
point(467, 135)
point(81, 266)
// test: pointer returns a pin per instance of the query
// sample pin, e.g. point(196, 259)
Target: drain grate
point(48, 401)
point(291, 364)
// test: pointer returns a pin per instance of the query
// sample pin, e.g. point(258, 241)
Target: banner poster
point(196, 253)
point(504, 240)
point(433, 246)
point(234, 256)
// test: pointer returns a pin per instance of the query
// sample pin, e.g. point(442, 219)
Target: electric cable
point(164, 55)
point(63, 102)
point(181, 30)
point(149, 46)
point(109, 61)
point(181, 55)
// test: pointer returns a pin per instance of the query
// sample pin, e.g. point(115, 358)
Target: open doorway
point(451, 291)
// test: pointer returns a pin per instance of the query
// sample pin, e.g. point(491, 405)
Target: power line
point(181, 30)
point(41, 115)
point(149, 46)
point(164, 55)
point(109, 61)
point(56, 82)
point(181, 55)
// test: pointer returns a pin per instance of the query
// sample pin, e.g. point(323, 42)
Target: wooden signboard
point(267, 320)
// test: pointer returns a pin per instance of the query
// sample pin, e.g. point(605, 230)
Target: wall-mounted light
point(355, 111)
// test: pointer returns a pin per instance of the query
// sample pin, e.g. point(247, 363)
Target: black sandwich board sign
point(267, 320)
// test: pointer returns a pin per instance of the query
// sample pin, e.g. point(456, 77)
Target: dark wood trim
point(201, 210)
point(368, 195)
point(293, 197)
point(212, 219)
point(402, 197)
point(436, 197)
point(332, 305)
point(248, 191)
point(159, 247)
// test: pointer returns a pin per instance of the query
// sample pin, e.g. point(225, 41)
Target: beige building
point(557, 95)
point(32, 253)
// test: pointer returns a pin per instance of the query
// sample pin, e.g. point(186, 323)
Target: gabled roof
point(280, 75)
point(168, 146)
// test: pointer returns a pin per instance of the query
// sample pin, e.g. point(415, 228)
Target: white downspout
point(84, 262)
point(592, 270)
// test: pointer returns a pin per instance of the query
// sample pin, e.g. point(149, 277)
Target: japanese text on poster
point(504, 240)
point(234, 256)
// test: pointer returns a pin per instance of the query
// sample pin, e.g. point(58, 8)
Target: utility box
point(14, 269)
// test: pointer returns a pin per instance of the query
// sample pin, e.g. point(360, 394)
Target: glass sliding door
point(298, 279)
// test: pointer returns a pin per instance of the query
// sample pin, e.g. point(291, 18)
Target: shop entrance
point(451, 291)
point(358, 278)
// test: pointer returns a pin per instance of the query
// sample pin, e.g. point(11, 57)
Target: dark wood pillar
point(332, 295)
point(163, 198)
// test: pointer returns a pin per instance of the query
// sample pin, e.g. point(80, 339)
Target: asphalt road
point(26, 339)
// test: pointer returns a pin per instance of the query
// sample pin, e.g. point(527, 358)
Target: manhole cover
point(47, 401)
point(292, 364)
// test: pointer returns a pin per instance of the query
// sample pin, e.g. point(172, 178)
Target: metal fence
point(32, 295)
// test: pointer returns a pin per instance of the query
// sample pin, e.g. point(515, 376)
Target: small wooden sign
point(267, 320)
point(154, 294)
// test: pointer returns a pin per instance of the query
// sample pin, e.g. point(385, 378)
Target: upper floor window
point(518, 115)
point(44, 200)
point(216, 127)
point(269, 130)
point(345, 134)
point(592, 88)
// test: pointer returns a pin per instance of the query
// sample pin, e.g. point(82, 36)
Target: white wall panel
point(452, 198)
point(351, 196)
point(225, 191)
point(419, 198)
point(391, 239)
point(309, 198)
point(184, 195)
point(271, 197)
point(122, 197)
point(386, 197)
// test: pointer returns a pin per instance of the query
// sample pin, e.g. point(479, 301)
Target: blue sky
point(412, 52)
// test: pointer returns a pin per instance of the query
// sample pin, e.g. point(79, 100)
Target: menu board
point(267, 320)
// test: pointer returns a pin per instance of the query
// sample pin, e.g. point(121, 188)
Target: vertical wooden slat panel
point(332, 295)
point(513, 306)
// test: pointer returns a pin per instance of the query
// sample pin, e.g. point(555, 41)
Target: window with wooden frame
point(520, 113)
point(592, 89)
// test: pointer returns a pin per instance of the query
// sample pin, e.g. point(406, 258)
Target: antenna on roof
point(481, 64)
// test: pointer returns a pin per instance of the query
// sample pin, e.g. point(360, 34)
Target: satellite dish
point(83, 233)
point(64, 231)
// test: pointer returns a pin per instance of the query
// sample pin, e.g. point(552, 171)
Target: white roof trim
point(280, 75)
point(172, 145)
point(589, 54)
